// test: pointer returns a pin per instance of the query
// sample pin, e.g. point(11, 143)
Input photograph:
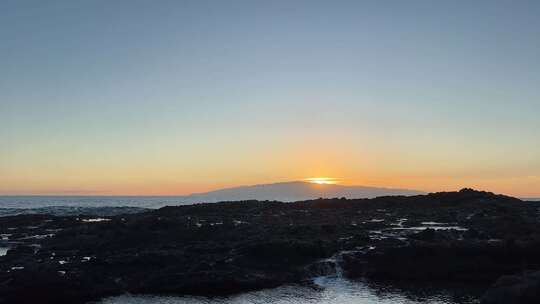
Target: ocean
point(23, 202)
point(90, 205)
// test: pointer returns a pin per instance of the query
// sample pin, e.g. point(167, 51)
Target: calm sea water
point(88, 205)
point(23, 202)
point(27, 202)
point(332, 291)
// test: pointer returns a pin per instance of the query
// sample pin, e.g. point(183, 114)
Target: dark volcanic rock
point(20, 251)
point(445, 261)
point(514, 289)
point(230, 247)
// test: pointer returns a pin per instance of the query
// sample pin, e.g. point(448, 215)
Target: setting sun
point(322, 180)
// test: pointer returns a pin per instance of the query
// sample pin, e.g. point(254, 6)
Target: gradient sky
point(174, 97)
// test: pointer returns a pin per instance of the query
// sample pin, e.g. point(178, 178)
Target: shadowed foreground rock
point(231, 247)
point(512, 289)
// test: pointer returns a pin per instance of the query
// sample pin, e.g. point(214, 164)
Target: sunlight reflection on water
point(334, 291)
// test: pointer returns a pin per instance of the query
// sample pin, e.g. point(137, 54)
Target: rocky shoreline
point(231, 247)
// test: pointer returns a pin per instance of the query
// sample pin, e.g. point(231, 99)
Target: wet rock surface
point(229, 247)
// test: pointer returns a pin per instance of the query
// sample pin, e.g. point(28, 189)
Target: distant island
point(295, 191)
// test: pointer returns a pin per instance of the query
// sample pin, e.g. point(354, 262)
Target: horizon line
point(67, 194)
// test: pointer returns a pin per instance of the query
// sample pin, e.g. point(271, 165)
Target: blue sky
point(164, 97)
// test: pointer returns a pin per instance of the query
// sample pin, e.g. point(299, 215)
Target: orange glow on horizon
point(513, 186)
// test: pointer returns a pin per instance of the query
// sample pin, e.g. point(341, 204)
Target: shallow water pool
point(331, 291)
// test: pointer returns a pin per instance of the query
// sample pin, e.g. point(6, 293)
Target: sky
point(175, 97)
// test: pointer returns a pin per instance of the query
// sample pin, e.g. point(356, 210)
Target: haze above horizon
point(179, 97)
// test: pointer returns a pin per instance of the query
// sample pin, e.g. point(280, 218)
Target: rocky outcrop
point(515, 289)
point(230, 247)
